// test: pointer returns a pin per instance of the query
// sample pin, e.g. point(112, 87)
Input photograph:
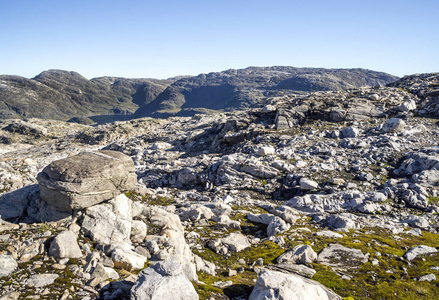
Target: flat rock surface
point(336, 255)
point(40, 280)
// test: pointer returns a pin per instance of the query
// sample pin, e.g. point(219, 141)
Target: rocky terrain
point(62, 95)
point(329, 195)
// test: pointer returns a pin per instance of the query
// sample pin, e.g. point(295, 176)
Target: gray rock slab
point(40, 280)
point(301, 270)
point(329, 233)
point(336, 255)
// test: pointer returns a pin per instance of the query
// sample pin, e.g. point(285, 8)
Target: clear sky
point(160, 39)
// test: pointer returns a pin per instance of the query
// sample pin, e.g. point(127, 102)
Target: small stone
point(337, 181)
point(301, 254)
point(41, 280)
point(260, 261)
point(232, 272)
point(350, 132)
point(128, 260)
point(393, 125)
point(429, 277)
point(308, 184)
point(266, 150)
point(58, 266)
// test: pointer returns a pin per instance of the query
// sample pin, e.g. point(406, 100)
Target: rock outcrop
point(165, 280)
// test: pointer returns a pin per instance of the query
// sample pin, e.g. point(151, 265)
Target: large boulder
point(276, 285)
point(164, 281)
point(86, 179)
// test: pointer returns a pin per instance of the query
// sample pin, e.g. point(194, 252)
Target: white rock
point(277, 285)
point(138, 231)
point(300, 164)
point(301, 254)
point(275, 224)
point(128, 260)
point(40, 280)
point(393, 125)
point(368, 208)
point(205, 266)
point(236, 242)
point(308, 184)
point(109, 223)
point(408, 105)
point(65, 245)
point(7, 265)
point(412, 253)
point(164, 281)
point(428, 277)
point(329, 233)
point(266, 150)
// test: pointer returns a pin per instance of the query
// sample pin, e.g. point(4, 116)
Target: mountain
point(58, 94)
point(244, 88)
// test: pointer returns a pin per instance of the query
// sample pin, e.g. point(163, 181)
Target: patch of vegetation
point(392, 278)
point(44, 227)
point(264, 182)
point(433, 200)
point(151, 200)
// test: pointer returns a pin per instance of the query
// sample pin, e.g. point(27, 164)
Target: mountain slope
point(238, 89)
point(58, 94)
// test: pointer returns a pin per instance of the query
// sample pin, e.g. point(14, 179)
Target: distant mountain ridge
point(58, 94)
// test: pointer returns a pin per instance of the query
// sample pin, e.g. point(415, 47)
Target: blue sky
point(160, 39)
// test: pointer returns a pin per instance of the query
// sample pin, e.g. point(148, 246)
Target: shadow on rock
point(26, 206)
point(238, 290)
